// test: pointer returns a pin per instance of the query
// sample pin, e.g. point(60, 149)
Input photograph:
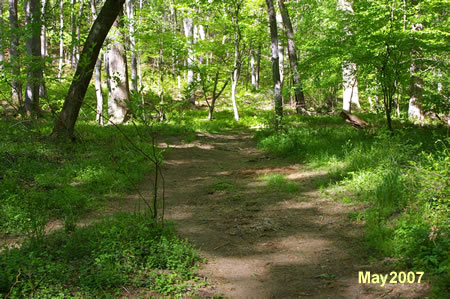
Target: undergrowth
point(42, 180)
point(115, 256)
point(404, 178)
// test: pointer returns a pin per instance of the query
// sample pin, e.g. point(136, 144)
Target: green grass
point(44, 180)
point(127, 250)
point(278, 182)
point(404, 178)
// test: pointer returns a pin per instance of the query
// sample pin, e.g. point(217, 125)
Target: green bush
point(124, 250)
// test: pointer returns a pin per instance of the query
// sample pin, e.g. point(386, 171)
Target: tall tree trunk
point(76, 48)
point(237, 57)
point(416, 83)
point(131, 19)
point(189, 34)
point(17, 95)
point(253, 68)
point(98, 76)
point(293, 61)
point(33, 45)
point(350, 86)
point(98, 91)
point(258, 65)
point(44, 50)
point(61, 38)
point(275, 62)
point(120, 92)
point(201, 36)
point(65, 125)
point(2, 53)
point(280, 51)
point(74, 42)
point(349, 81)
point(281, 61)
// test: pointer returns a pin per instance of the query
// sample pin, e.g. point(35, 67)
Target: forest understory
point(260, 220)
point(224, 149)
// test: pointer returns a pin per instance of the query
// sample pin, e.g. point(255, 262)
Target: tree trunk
point(216, 95)
point(120, 92)
point(98, 91)
point(17, 95)
point(293, 61)
point(98, 76)
point(253, 68)
point(275, 62)
point(280, 52)
point(65, 125)
point(350, 87)
point(258, 65)
point(416, 83)
point(354, 120)
point(61, 38)
point(44, 51)
point(2, 53)
point(189, 34)
point(415, 94)
point(349, 81)
point(74, 42)
point(200, 35)
point(237, 58)
point(78, 31)
point(134, 73)
point(281, 56)
point(33, 45)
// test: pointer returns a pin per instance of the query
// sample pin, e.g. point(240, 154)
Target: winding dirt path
point(259, 242)
point(262, 243)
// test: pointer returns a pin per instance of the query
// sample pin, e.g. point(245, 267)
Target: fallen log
point(354, 120)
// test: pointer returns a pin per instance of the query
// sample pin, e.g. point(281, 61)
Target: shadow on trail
point(262, 243)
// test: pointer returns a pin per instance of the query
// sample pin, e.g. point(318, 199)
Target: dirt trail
point(261, 243)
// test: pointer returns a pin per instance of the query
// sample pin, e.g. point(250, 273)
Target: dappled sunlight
point(257, 229)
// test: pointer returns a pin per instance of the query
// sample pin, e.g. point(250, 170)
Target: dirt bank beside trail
point(263, 243)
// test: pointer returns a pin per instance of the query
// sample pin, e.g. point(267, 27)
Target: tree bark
point(33, 45)
point(416, 84)
point(17, 95)
point(216, 95)
point(44, 50)
point(350, 86)
point(253, 68)
point(78, 31)
point(133, 59)
point(119, 92)
point(293, 61)
point(189, 34)
point(65, 124)
point(354, 120)
point(2, 53)
point(275, 62)
point(98, 91)
point(98, 76)
point(281, 61)
point(415, 94)
point(349, 80)
point(74, 42)
point(258, 65)
point(237, 58)
point(61, 38)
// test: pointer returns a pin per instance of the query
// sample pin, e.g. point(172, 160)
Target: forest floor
point(263, 242)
